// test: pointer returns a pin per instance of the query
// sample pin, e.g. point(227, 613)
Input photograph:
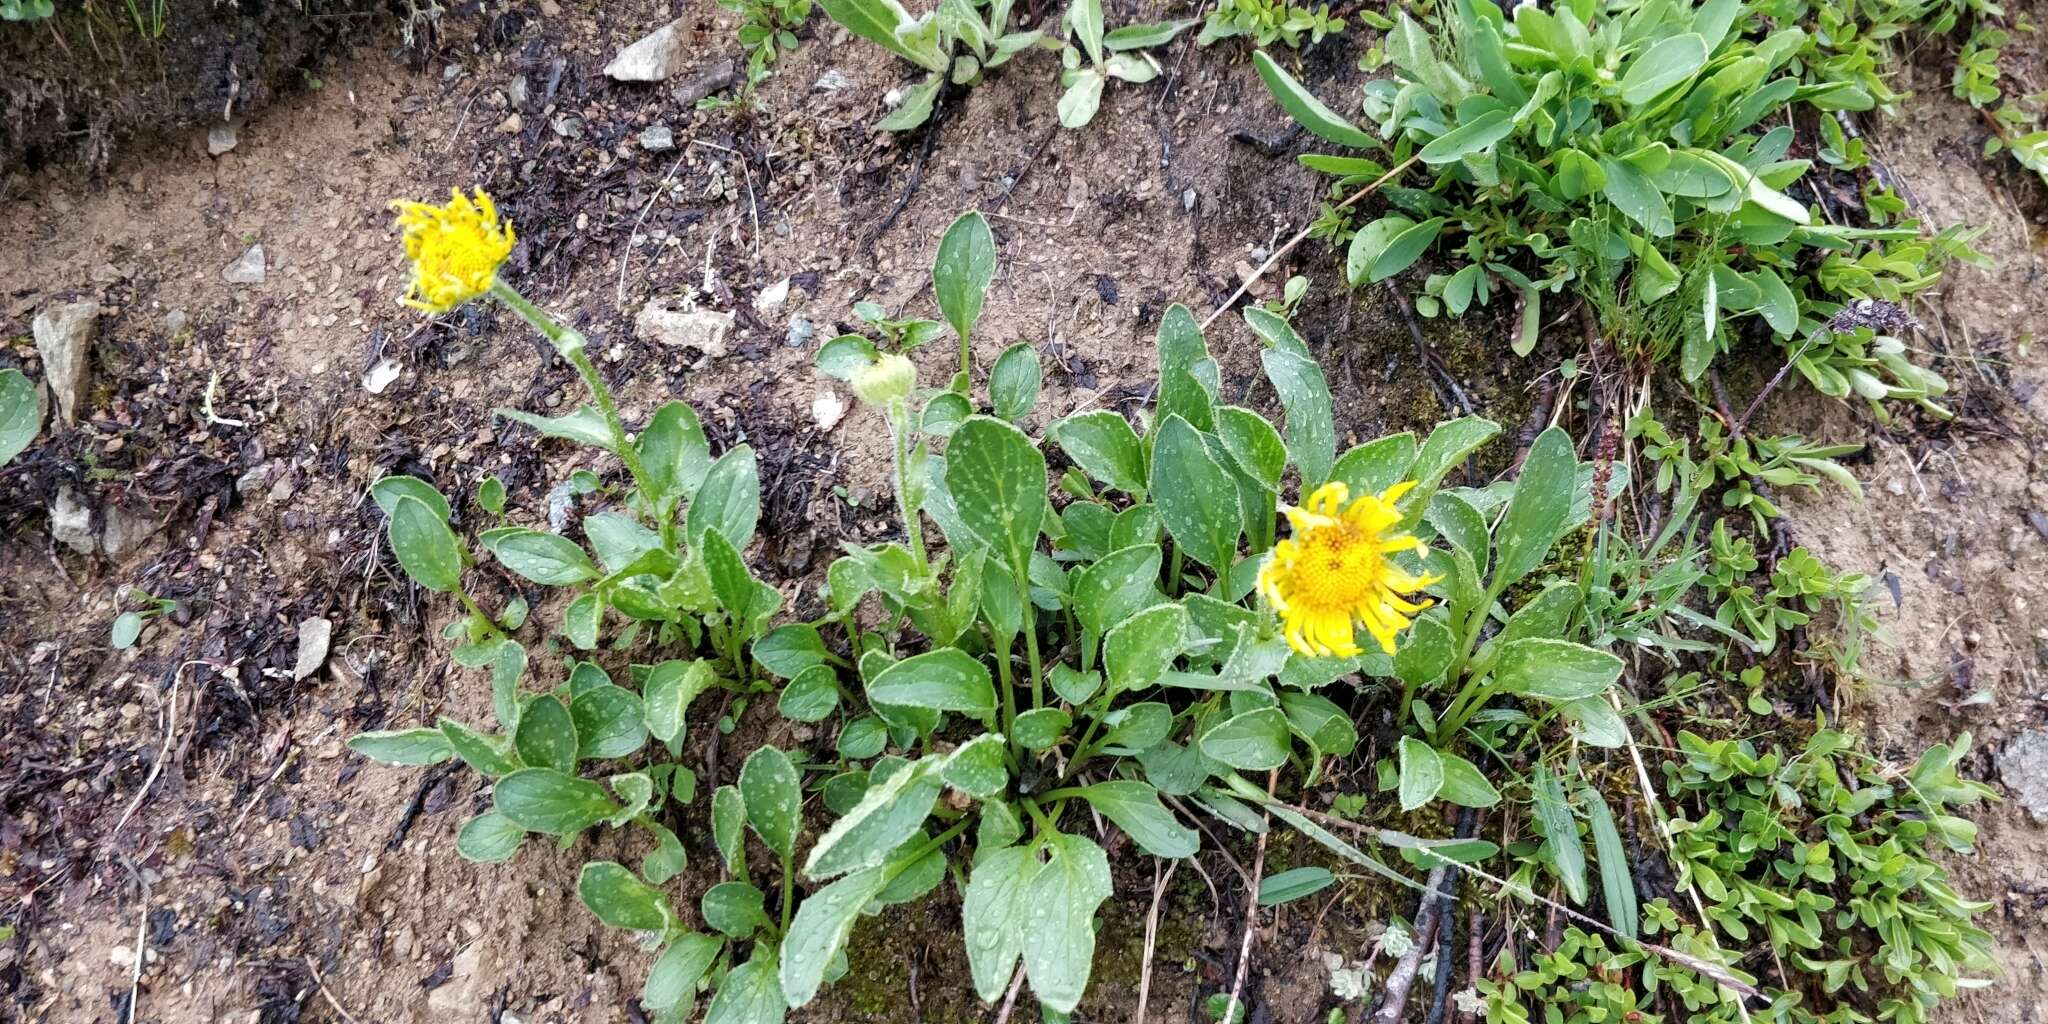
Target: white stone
point(773, 296)
point(247, 269)
point(64, 341)
point(71, 522)
point(654, 57)
point(827, 410)
point(658, 138)
point(315, 634)
point(701, 329)
point(2023, 764)
point(220, 138)
point(380, 376)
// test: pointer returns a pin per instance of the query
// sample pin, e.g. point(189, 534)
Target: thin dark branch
point(924, 154)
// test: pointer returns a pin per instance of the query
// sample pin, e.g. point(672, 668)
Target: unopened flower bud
point(889, 378)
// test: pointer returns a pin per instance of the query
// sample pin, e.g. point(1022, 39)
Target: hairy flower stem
point(1009, 687)
point(913, 530)
point(788, 887)
point(1031, 637)
point(572, 346)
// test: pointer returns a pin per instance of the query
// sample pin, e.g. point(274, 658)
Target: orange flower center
point(1338, 569)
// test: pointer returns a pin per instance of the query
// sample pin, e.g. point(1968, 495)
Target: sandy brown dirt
point(1953, 515)
point(195, 790)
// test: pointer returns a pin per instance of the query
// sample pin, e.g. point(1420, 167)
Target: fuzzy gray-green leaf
point(773, 791)
point(620, 899)
point(819, 931)
point(553, 802)
point(729, 500)
point(1192, 490)
point(424, 545)
point(1422, 773)
point(997, 479)
point(403, 746)
point(1538, 512)
point(1102, 442)
point(962, 270)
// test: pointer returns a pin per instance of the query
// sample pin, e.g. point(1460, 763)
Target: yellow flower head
point(1334, 573)
point(455, 249)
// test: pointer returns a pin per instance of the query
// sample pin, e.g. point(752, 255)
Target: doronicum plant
point(664, 559)
point(1135, 642)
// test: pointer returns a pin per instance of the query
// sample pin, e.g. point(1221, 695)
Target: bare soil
point(191, 799)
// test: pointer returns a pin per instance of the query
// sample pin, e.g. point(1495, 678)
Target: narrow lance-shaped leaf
point(1617, 884)
point(1561, 845)
point(1311, 429)
point(1539, 509)
point(1306, 109)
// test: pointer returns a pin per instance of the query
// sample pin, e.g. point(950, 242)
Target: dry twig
point(320, 983)
point(1159, 884)
point(1251, 908)
point(1401, 980)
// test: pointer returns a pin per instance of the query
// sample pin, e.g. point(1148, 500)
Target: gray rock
point(220, 138)
point(515, 93)
point(64, 340)
point(71, 523)
point(125, 532)
point(248, 269)
point(653, 58)
point(701, 329)
point(657, 139)
point(800, 332)
point(569, 126)
point(561, 502)
point(832, 81)
point(2023, 764)
point(315, 634)
point(252, 481)
point(716, 78)
point(176, 321)
point(463, 995)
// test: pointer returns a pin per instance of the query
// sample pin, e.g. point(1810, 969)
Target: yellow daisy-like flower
point(455, 249)
point(1334, 574)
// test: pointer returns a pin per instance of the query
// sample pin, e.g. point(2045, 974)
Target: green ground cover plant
point(1827, 858)
point(1634, 158)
